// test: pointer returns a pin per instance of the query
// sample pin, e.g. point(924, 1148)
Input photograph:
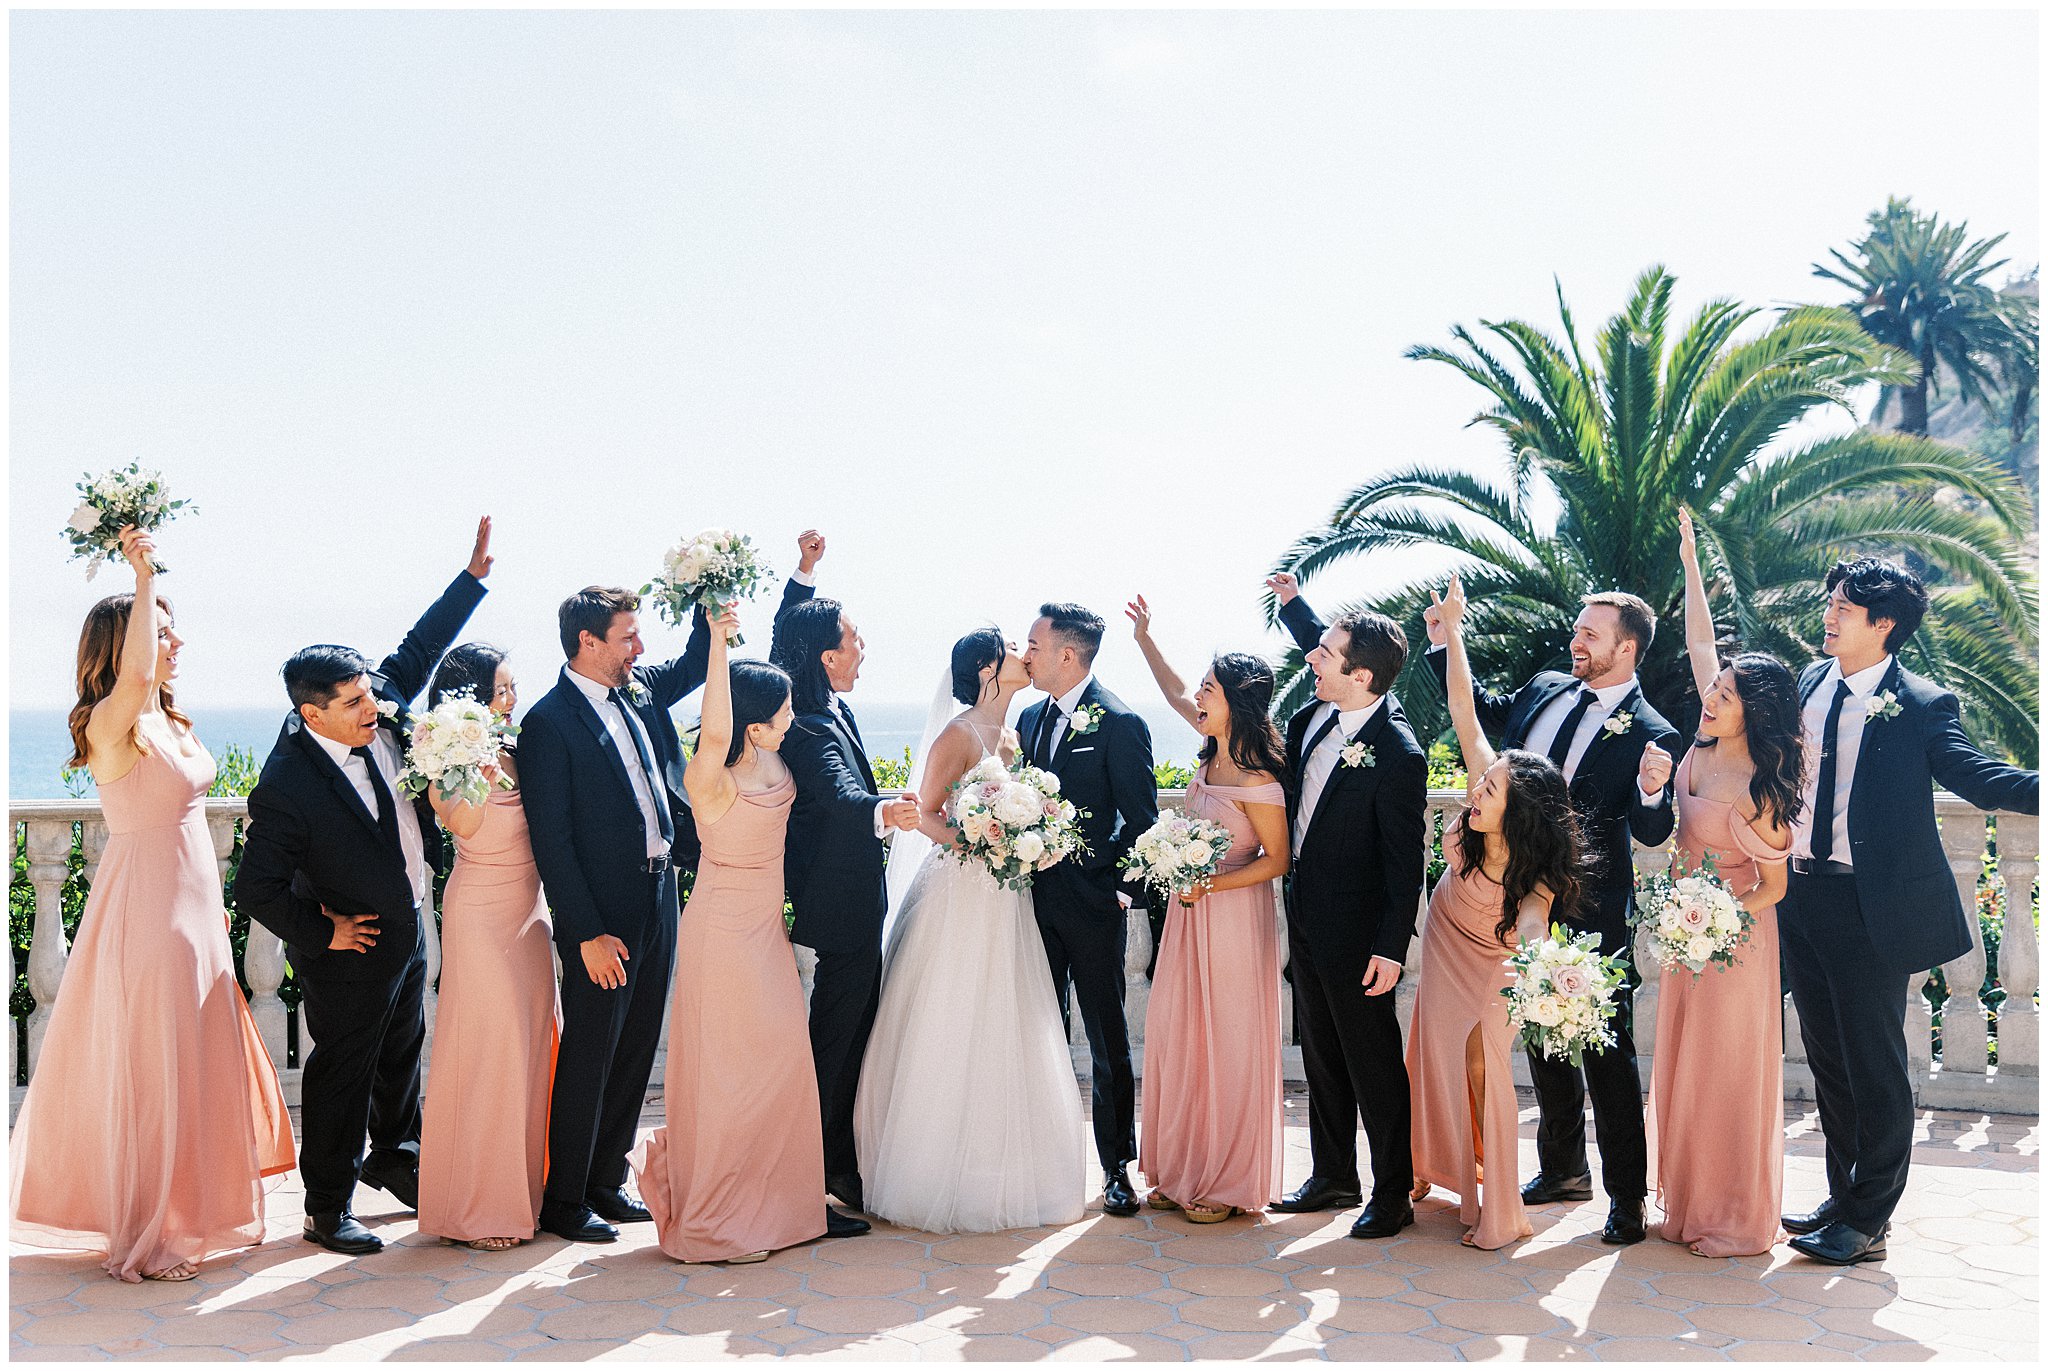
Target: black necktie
point(1824, 781)
point(1561, 745)
point(1317, 741)
point(654, 782)
point(387, 811)
point(1047, 723)
point(846, 713)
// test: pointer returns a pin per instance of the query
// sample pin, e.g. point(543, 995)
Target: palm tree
point(1616, 443)
point(1920, 286)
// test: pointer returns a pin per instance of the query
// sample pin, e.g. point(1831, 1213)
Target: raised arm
point(109, 732)
point(411, 664)
point(707, 778)
point(1458, 683)
point(1699, 618)
point(1170, 684)
point(1297, 616)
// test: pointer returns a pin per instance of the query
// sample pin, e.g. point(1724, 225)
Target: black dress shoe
point(1118, 1199)
point(838, 1225)
point(341, 1233)
point(1383, 1219)
point(1812, 1221)
point(576, 1223)
point(1624, 1223)
point(1553, 1190)
point(1840, 1245)
point(400, 1183)
point(848, 1191)
point(1316, 1195)
point(617, 1206)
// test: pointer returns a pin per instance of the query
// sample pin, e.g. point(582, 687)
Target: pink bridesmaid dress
point(1716, 1122)
point(154, 1113)
point(739, 1166)
point(1462, 1128)
point(1212, 1031)
point(484, 1134)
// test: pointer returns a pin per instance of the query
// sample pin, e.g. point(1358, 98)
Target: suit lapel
point(606, 744)
point(1361, 778)
point(1595, 749)
point(1873, 732)
point(1517, 733)
point(338, 781)
point(1067, 735)
point(845, 735)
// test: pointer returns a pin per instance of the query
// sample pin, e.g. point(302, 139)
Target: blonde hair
point(99, 668)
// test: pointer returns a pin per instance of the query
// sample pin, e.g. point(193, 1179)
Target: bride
point(968, 1118)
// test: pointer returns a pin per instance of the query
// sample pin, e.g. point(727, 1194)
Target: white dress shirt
point(1067, 704)
point(1848, 742)
point(1543, 729)
point(1321, 764)
point(385, 750)
point(616, 724)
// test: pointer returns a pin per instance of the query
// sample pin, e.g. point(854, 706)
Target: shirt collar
point(1611, 696)
point(593, 690)
point(1072, 699)
point(340, 752)
point(1349, 721)
point(1864, 682)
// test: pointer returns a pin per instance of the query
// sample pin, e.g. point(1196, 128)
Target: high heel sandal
point(177, 1271)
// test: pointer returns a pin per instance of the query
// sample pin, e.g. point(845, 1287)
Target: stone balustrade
point(1961, 1077)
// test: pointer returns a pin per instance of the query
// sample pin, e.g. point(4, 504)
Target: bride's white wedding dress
point(968, 1117)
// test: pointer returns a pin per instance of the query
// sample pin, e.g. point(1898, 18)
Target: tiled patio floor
point(1961, 1284)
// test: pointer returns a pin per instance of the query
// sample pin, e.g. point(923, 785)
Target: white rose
point(1700, 948)
point(1030, 847)
point(1196, 854)
point(1017, 804)
point(1049, 783)
point(471, 732)
point(1545, 1010)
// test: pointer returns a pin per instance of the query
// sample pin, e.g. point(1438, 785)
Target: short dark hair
point(315, 675)
point(983, 647)
point(803, 635)
point(470, 668)
point(591, 610)
point(1080, 626)
point(1638, 620)
point(1885, 590)
point(758, 690)
point(1375, 643)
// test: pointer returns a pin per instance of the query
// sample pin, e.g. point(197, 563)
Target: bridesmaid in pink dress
point(739, 1168)
point(1513, 857)
point(484, 1132)
point(154, 1113)
point(1211, 1144)
point(1716, 1122)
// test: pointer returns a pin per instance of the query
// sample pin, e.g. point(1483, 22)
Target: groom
point(1102, 753)
point(340, 869)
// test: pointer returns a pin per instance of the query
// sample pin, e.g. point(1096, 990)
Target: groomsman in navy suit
point(1871, 900)
point(1595, 724)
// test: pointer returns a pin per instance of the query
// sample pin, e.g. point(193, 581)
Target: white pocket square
point(1077, 751)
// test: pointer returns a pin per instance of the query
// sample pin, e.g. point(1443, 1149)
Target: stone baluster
point(220, 828)
point(93, 847)
point(263, 968)
point(49, 861)
point(1286, 991)
point(1643, 1016)
point(1963, 1029)
point(1919, 1032)
point(2019, 953)
point(1137, 985)
point(430, 933)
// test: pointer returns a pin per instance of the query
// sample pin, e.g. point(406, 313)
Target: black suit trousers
point(606, 1056)
point(1352, 1059)
point(1611, 1077)
point(1082, 926)
point(363, 1074)
point(1852, 1018)
point(846, 990)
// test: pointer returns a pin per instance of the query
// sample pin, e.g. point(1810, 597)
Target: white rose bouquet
point(1013, 821)
point(717, 567)
point(1694, 919)
point(1561, 999)
point(1178, 851)
point(107, 504)
point(450, 746)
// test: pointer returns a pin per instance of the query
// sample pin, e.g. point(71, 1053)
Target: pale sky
point(1013, 306)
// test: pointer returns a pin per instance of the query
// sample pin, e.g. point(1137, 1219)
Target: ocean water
point(39, 743)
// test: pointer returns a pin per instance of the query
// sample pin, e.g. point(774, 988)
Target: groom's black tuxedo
point(1352, 895)
point(310, 841)
point(590, 846)
point(1106, 772)
point(1611, 811)
point(1854, 929)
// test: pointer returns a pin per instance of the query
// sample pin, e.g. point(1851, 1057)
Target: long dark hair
point(99, 668)
point(471, 667)
point(758, 691)
point(1247, 685)
point(804, 634)
point(1545, 845)
point(1775, 732)
point(983, 647)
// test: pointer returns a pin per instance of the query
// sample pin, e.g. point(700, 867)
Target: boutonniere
point(1883, 705)
point(1356, 754)
point(388, 709)
point(1085, 720)
point(639, 694)
point(1618, 723)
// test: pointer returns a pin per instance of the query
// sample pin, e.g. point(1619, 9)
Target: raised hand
point(352, 932)
point(1653, 773)
point(480, 556)
point(727, 622)
point(810, 550)
point(1433, 620)
point(1140, 615)
point(604, 960)
point(140, 550)
point(1688, 546)
point(1283, 585)
point(1448, 611)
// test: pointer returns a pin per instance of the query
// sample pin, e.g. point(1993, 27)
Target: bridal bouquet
point(1694, 919)
point(1562, 995)
point(450, 746)
point(1013, 821)
point(1175, 853)
point(109, 504)
point(717, 567)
